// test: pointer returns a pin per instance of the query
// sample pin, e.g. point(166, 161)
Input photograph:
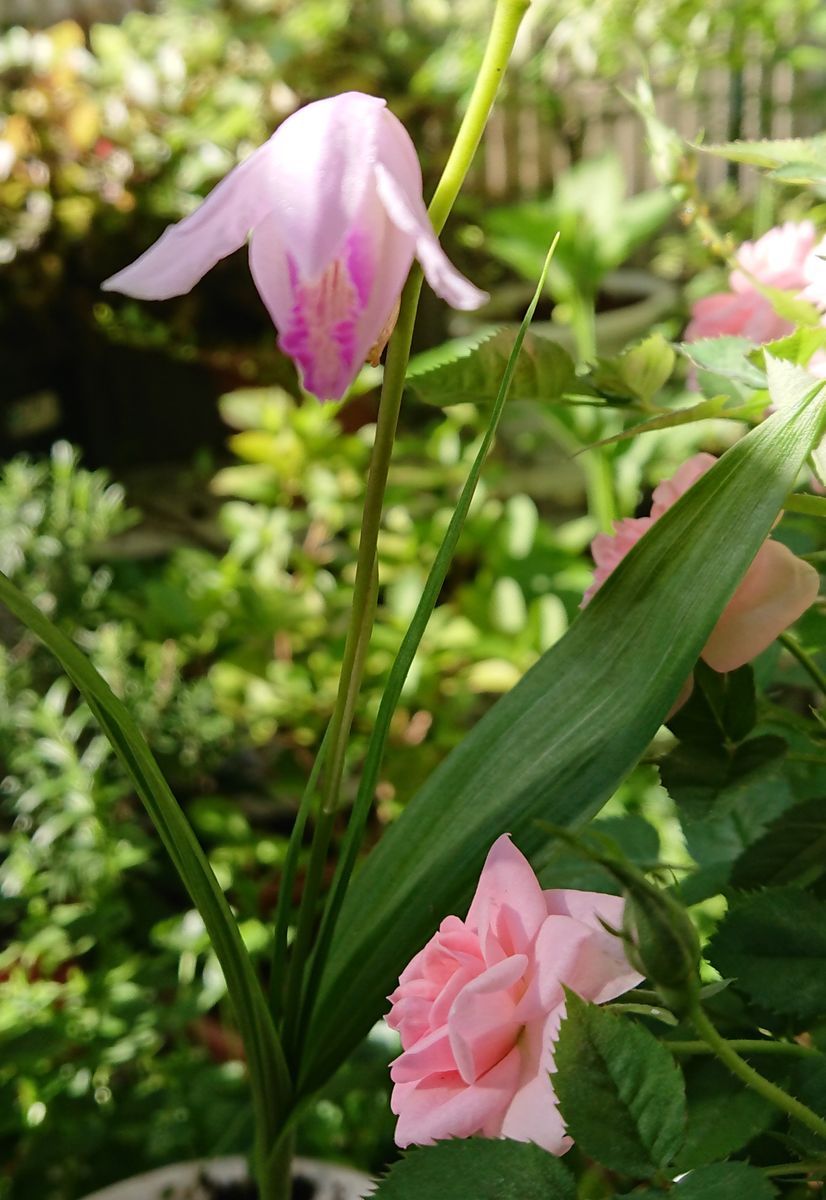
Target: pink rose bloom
point(736, 314)
point(334, 204)
point(815, 272)
point(777, 588)
point(479, 1007)
point(781, 258)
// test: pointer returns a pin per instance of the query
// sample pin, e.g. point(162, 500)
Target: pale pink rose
point(334, 204)
point(815, 281)
point(736, 314)
point(783, 258)
point(479, 1007)
point(777, 588)
point(779, 259)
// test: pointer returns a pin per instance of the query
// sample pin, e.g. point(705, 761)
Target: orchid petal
point(324, 157)
point(399, 185)
point(328, 326)
point(222, 223)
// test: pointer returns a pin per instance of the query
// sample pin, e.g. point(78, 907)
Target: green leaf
point(773, 944)
point(544, 372)
point(630, 836)
point(477, 1169)
point(450, 351)
point(810, 506)
point(559, 743)
point(787, 305)
point(808, 1084)
point(269, 1077)
point(722, 708)
point(723, 1114)
point(716, 406)
point(797, 347)
point(728, 357)
point(620, 1092)
point(792, 850)
point(639, 372)
point(773, 154)
point(724, 1181)
point(434, 583)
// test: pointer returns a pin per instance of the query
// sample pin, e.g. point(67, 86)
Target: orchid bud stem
point(507, 17)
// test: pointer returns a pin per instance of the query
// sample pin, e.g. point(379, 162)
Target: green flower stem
point(796, 1168)
point(599, 487)
point(506, 20)
point(314, 880)
point(806, 661)
point(753, 1079)
point(275, 1175)
point(743, 1046)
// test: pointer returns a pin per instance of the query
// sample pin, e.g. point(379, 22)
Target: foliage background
point(201, 550)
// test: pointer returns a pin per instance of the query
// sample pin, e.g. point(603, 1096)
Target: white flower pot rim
point(332, 1182)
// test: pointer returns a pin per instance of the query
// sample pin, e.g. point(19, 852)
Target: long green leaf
point(268, 1071)
point(354, 835)
point(558, 745)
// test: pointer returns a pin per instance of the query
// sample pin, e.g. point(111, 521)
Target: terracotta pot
point(182, 1181)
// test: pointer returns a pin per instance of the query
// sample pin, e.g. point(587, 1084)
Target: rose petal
point(777, 589)
point(444, 1106)
point(508, 899)
point(482, 1023)
point(533, 1114)
point(598, 970)
point(432, 1055)
point(686, 475)
point(744, 314)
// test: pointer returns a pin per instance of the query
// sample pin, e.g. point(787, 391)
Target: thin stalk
point(743, 1046)
point(599, 487)
point(318, 857)
point(275, 1174)
point(507, 17)
point(402, 663)
point(753, 1079)
point(805, 659)
point(278, 961)
point(599, 480)
point(796, 1168)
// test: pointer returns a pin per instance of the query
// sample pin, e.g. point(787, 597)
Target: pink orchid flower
point(479, 1007)
point(777, 588)
point(334, 204)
